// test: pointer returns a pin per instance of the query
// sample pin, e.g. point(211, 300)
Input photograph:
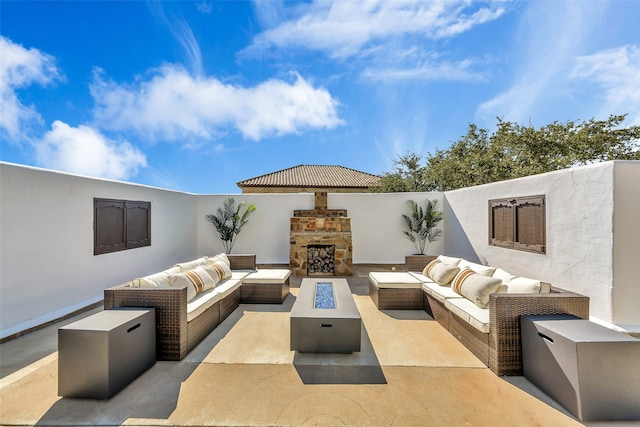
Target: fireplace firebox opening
point(321, 260)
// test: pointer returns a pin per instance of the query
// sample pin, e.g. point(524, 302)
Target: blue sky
point(196, 96)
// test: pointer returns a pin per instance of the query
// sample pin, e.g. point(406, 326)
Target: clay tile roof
point(313, 176)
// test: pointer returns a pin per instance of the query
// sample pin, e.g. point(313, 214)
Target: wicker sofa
point(491, 333)
point(182, 323)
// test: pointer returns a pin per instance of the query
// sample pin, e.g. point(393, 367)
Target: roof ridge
point(313, 175)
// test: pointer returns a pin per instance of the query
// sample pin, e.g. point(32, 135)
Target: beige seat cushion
point(208, 298)
point(469, 312)
point(240, 274)
point(269, 275)
point(440, 293)
point(397, 280)
point(421, 277)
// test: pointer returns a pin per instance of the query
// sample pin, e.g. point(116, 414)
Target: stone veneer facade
point(320, 226)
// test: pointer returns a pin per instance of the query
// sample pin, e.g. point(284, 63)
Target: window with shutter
point(518, 223)
point(120, 225)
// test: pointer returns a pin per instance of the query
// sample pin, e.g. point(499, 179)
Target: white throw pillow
point(220, 269)
point(190, 265)
point(483, 270)
point(440, 272)
point(506, 277)
point(156, 280)
point(197, 280)
point(220, 257)
point(475, 287)
point(523, 285)
point(449, 259)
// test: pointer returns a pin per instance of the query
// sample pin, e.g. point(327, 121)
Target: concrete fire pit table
point(324, 318)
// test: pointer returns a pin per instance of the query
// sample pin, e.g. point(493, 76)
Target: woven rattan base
point(264, 293)
point(476, 341)
point(202, 325)
point(242, 261)
point(171, 315)
point(437, 310)
point(228, 304)
point(500, 349)
point(505, 347)
point(175, 336)
point(396, 299)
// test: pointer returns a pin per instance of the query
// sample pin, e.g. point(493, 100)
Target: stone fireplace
point(320, 241)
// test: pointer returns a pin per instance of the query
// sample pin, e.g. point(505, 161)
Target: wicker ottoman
point(395, 291)
point(268, 286)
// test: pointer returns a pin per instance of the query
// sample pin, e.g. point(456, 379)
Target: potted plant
point(421, 229)
point(228, 221)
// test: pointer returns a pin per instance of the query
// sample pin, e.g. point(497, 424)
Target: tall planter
point(417, 262)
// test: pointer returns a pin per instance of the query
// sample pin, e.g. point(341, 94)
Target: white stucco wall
point(47, 264)
point(267, 232)
point(377, 225)
point(47, 220)
point(579, 233)
point(626, 249)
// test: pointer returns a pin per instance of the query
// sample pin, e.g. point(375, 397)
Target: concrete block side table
point(593, 371)
point(101, 354)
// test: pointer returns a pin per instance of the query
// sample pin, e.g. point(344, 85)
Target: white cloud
point(269, 12)
point(182, 31)
point(20, 68)
point(183, 34)
point(427, 70)
point(618, 72)
point(204, 7)
point(345, 28)
point(176, 106)
point(85, 151)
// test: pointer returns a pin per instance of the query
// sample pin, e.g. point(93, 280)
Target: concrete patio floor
point(410, 372)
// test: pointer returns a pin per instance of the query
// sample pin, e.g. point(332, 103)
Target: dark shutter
point(518, 223)
point(120, 225)
point(109, 226)
point(530, 225)
point(138, 224)
point(500, 224)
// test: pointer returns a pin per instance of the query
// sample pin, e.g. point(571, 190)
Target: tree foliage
point(407, 176)
point(514, 151)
